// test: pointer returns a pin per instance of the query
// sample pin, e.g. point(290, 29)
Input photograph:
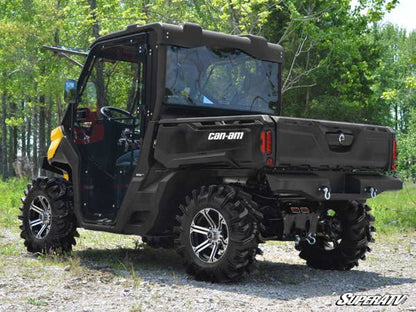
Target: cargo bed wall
point(232, 141)
point(332, 145)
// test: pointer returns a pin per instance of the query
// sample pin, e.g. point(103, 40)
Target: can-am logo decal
point(350, 299)
point(225, 136)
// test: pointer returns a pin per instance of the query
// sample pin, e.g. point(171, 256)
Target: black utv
point(175, 133)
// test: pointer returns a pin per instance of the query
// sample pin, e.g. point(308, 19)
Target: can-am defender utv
point(174, 133)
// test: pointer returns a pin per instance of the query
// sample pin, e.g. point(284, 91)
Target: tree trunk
point(35, 143)
point(145, 10)
point(308, 92)
point(42, 141)
point(57, 40)
point(49, 125)
point(28, 137)
point(132, 100)
point(12, 141)
point(1, 158)
point(308, 89)
point(234, 20)
point(59, 114)
point(4, 135)
point(10, 155)
point(99, 69)
point(95, 26)
point(396, 116)
point(15, 147)
point(23, 132)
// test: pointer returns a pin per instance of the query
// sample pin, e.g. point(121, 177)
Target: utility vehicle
point(175, 133)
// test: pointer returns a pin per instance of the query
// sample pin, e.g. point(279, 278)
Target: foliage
point(339, 64)
point(407, 149)
point(394, 85)
point(333, 60)
point(395, 211)
point(10, 193)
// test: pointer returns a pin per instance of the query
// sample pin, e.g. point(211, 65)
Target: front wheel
point(342, 239)
point(217, 235)
point(48, 221)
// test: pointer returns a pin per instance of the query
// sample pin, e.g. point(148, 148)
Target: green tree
point(336, 68)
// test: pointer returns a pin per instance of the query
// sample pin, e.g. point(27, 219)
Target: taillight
point(269, 142)
point(263, 142)
point(394, 155)
point(266, 146)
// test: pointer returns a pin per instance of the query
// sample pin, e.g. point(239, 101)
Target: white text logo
point(350, 299)
point(225, 136)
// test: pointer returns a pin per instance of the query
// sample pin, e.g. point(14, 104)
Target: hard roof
point(192, 35)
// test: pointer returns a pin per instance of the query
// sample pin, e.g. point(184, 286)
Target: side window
point(120, 84)
point(115, 78)
point(89, 99)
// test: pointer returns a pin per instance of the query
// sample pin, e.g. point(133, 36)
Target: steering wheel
point(119, 116)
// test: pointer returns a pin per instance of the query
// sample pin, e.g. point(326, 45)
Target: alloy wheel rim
point(40, 217)
point(209, 235)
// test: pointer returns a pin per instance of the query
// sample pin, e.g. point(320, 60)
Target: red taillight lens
point(394, 155)
point(263, 142)
point(266, 146)
point(269, 143)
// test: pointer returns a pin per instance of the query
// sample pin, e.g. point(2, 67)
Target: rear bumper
point(341, 186)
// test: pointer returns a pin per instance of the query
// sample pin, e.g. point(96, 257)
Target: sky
point(403, 15)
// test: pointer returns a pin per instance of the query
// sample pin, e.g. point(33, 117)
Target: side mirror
point(70, 92)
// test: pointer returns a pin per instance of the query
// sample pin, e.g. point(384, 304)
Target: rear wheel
point(342, 239)
point(217, 235)
point(48, 222)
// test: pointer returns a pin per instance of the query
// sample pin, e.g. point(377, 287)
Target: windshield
point(225, 79)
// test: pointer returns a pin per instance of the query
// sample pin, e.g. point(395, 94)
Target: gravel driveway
point(121, 278)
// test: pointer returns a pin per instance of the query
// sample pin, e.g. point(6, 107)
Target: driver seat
point(127, 160)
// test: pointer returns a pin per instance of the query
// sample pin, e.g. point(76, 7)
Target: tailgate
point(332, 145)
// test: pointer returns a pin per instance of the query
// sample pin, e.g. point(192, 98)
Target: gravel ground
point(95, 279)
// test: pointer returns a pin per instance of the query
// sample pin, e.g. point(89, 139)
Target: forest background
point(341, 62)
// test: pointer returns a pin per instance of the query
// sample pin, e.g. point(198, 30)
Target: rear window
point(224, 79)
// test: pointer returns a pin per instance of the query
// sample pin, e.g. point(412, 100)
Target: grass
point(9, 249)
point(35, 302)
point(136, 308)
point(395, 211)
point(10, 193)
